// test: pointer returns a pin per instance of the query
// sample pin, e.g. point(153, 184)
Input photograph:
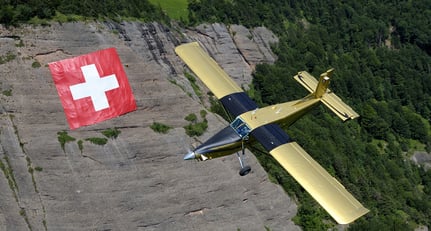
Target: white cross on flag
point(92, 87)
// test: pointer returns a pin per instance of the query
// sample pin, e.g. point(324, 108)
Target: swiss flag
point(92, 87)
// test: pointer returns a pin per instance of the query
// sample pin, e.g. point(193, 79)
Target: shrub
point(35, 64)
point(63, 138)
point(203, 114)
point(196, 129)
point(160, 128)
point(81, 145)
point(7, 92)
point(97, 140)
point(111, 133)
point(191, 117)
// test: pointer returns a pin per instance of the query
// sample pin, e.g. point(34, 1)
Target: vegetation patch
point(160, 128)
point(7, 58)
point(176, 9)
point(45, 11)
point(31, 171)
point(97, 140)
point(181, 86)
point(24, 215)
point(7, 92)
point(196, 128)
point(8, 173)
point(63, 18)
point(191, 118)
point(35, 64)
point(63, 138)
point(81, 145)
point(111, 133)
point(192, 81)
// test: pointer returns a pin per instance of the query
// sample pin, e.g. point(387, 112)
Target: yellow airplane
point(263, 125)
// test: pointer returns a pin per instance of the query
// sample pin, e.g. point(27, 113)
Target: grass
point(176, 9)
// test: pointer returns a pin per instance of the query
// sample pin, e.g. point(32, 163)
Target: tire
point(244, 171)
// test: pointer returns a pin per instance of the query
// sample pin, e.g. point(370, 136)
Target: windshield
point(240, 127)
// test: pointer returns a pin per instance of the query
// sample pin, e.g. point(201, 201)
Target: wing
point(207, 70)
point(233, 98)
point(324, 188)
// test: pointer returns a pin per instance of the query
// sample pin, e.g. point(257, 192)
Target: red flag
point(92, 87)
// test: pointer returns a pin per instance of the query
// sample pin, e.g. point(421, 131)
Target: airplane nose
point(190, 156)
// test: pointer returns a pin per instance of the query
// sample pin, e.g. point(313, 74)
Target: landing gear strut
point(245, 169)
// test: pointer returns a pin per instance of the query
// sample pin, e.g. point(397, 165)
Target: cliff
point(137, 181)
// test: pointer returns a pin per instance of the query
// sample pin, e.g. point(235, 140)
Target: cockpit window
point(240, 127)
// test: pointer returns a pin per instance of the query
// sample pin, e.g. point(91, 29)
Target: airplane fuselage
point(232, 138)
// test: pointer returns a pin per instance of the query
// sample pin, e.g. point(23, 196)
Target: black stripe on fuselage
point(270, 136)
point(238, 103)
point(221, 140)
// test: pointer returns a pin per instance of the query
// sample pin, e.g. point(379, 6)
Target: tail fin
point(320, 90)
point(323, 84)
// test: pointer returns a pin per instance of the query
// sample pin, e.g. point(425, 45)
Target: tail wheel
point(245, 170)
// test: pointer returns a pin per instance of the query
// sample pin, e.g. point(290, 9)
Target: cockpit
point(240, 127)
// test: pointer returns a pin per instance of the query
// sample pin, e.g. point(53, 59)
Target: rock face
point(137, 181)
point(422, 158)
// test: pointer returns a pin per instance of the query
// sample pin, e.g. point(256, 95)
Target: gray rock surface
point(422, 158)
point(137, 181)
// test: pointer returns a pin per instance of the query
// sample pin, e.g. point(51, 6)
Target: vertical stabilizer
point(323, 84)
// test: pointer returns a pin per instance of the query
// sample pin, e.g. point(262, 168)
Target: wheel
point(244, 171)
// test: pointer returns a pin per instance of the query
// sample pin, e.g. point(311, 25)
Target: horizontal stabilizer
point(307, 81)
point(327, 97)
point(341, 109)
point(324, 188)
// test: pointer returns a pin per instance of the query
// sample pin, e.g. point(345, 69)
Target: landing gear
point(245, 169)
